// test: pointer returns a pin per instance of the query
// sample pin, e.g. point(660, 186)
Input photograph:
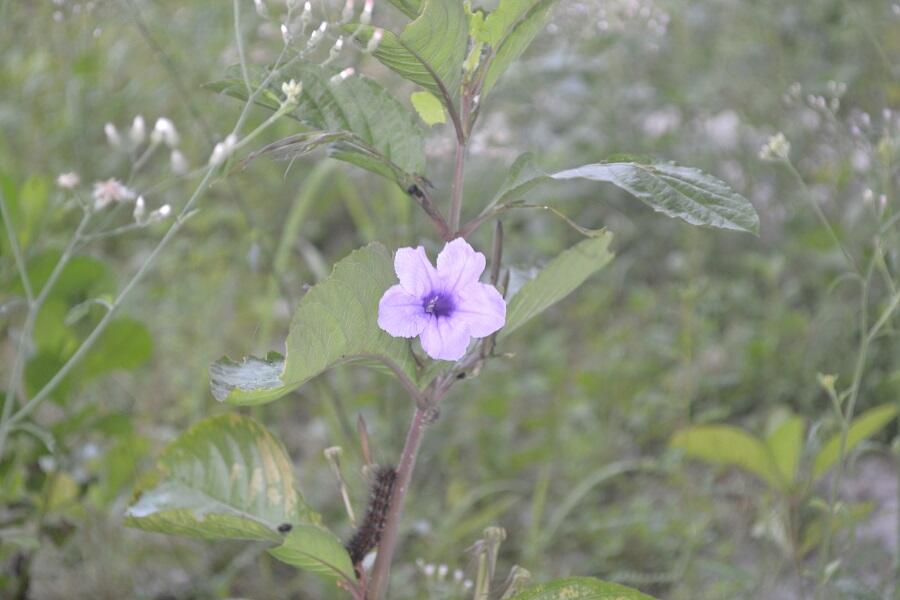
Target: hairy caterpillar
point(368, 534)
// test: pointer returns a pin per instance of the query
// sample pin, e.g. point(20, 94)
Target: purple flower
point(445, 306)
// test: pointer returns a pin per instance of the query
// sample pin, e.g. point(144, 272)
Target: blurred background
point(566, 442)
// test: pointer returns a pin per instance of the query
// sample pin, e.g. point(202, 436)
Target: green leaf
point(675, 191)
point(580, 588)
point(124, 344)
point(429, 108)
point(726, 445)
point(317, 550)
point(226, 477)
point(336, 321)
point(357, 105)
point(863, 427)
point(83, 277)
point(785, 446)
point(557, 280)
point(430, 51)
point(410, 8)
point(523, 176)
point(509, 30)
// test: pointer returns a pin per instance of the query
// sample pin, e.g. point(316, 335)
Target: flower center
point(438, 304)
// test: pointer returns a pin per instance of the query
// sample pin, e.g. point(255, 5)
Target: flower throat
point(439, 305)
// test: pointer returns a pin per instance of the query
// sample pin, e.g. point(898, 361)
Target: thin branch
point(14, 244)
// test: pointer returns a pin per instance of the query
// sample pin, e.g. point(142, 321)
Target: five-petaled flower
point(445, 306)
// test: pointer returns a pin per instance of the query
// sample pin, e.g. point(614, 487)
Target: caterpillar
point(368, 534)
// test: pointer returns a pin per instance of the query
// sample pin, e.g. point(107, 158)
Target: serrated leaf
point(863, 427)
point(317, 550)
point(429, 108)
point(509, 30)
point(785, 446)
point(355, 105)
point(580, 588)
point(557, 280)
point(675, 191)
point(226, 477)
point(430, 51)
point(336, 321)
point(727, 445)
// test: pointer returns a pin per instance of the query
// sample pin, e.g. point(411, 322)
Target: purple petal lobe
point(481, 307)
point(414, 271)
point(459, 265)
point(445, 339)
point(401, 314)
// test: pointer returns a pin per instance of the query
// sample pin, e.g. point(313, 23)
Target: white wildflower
point(292, 91)
point(366, 15)
point(317, 35)
point(342, 75)
point(69, 180)
point(178, 162)
point(261, 9)
point(458, 576)
point(111, 190)
point(442, 572)
point(160, 214)
point(286, 34)
point(429, 570)
point(375, 40)
point(347, 13)
point(223, 150)
point(777, 148)
point(138, 132)
point(140, 210)
point(164, 132)
point(112, 135)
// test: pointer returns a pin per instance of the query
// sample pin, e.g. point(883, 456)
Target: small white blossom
point(223, 150)
point(317, 35)
point(286, 34)
point(366, 15)
point(140, 210)
point(342, 75)
point(442, 572)
point(69, 180)
point(467, 584)
point(375, 40)
point(111, 190)
point(347, 13)
point(164, 132)
point(429, 570)
point(178, 163)
point(112, 135)
point(160, 214)
point(138, 132)
point(777, 148)
point(291, 90)
point(261, 9)
point(458, 576)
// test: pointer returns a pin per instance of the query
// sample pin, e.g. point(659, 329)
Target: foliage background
point(686, 326)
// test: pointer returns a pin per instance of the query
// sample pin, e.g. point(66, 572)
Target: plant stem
point(17, 252)
point(34, 308)
point(381, 572)
point(457, 190)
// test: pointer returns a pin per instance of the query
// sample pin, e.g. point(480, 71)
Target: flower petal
point(414, 271)
point(401, 314)
point(482, 308)
point(445, 338)
point(459, 265)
